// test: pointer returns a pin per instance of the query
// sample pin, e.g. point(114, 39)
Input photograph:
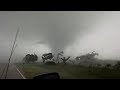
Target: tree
point(65, 59)
point(108, 65)
point(34, 58)
point(117, 65)
point(27, 58)
point(99, 65)
point(30, 58)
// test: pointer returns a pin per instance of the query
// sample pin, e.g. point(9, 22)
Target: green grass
point(69, 71)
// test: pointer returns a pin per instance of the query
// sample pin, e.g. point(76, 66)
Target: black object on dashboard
point(52, 75)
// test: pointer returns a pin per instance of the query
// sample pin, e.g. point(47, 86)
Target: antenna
point(11, 52)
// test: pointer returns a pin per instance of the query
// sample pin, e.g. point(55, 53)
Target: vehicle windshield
point(60, 45)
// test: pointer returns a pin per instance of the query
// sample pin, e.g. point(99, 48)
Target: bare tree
point(65, 59)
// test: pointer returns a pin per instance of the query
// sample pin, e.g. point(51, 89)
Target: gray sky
point(74, 32)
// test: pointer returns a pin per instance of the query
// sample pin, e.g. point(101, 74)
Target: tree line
point(49, 57)
point(60, 56)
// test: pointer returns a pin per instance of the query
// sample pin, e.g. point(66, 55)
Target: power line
point(11, 53)
point(6, 65)
point(3, 71)
point(15, 48)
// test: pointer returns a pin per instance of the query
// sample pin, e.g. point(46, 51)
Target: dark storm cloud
point(62, 28)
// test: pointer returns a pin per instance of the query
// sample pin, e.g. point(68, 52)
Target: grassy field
point(68, 71)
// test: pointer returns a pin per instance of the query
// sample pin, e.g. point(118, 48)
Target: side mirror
point(53, 75)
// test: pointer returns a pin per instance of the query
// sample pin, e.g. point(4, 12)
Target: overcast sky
point(76, 33)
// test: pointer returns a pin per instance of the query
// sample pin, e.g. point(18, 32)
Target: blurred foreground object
point(53, 75)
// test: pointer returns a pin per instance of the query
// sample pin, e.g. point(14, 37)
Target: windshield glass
point(73, 44)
